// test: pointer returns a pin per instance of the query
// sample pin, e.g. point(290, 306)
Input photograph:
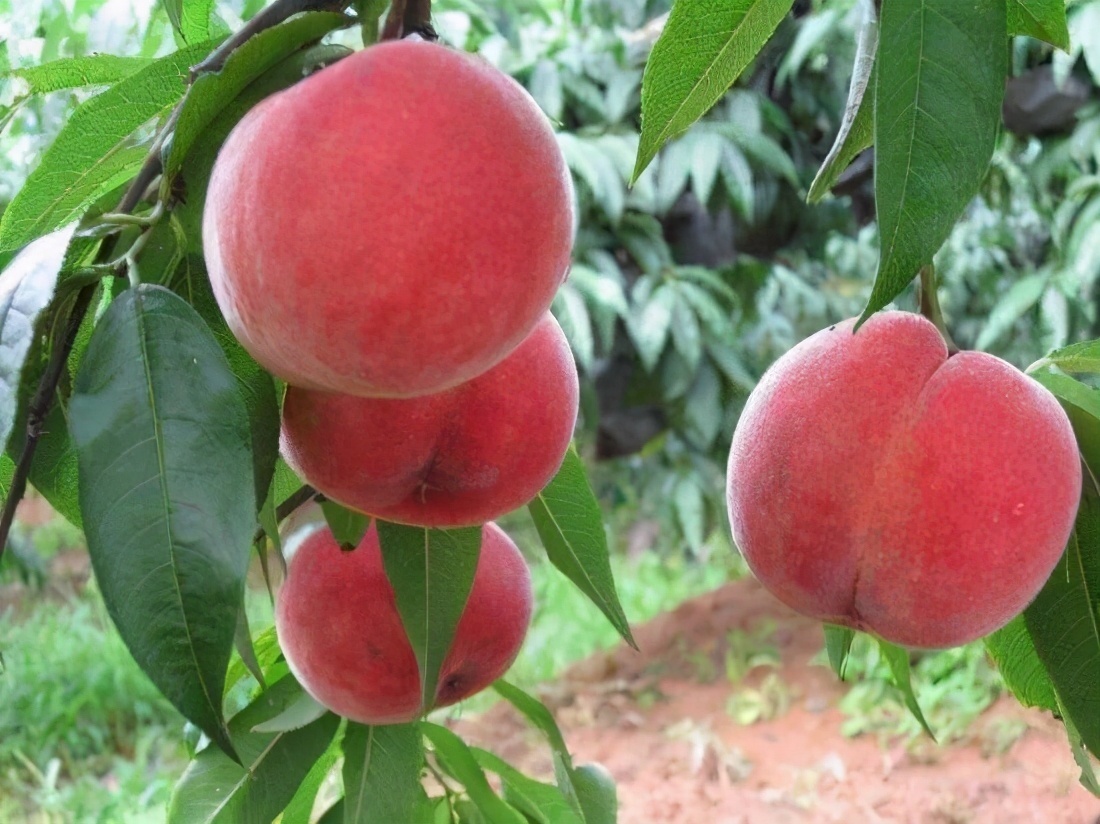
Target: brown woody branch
point(40, 407)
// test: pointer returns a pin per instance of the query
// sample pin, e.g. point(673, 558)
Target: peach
point(876, 483)
point(339, 628)
point(458, 458)
point(391, 226)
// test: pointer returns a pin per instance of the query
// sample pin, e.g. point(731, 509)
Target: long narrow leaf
point(166, 493)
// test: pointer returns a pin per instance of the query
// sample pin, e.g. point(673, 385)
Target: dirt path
point(680, 758)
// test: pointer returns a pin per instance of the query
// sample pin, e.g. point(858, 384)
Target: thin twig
point(418, 19)
point(39, 409)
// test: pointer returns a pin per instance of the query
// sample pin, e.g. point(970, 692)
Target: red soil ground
point(678, 756)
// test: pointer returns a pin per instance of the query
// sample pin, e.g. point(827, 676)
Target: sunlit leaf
point(567, 517)
point(77, 72)
point(94, 151)
point(704, 47)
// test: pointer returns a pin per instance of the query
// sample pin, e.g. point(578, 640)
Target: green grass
point(953, 687)
point(567, 627)
point(83, 733)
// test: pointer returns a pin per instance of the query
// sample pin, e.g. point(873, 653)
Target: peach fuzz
point(391, 226)
point(457, 458)
point(876, 483)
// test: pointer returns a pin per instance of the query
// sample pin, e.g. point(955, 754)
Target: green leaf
point(334, 814)
point(541, 803)
point(173, 8)
point(838, 644)
point(1012, 649)
point(256, 386)
point(300, 808)
point(461, 763)
point(534, 711)
point(704, 47)
point(598, 796)
point(1012, 306)
point(704, 413)
point(568, 519)
point(211, 93)
point(285, 483)
point(194, 22)
point(706, 157)
point(369, 13)
point(78, 72)
point(300, 712)
point(1082, 405)
point(1064, 623)
point(939, 83)
point(7, 473)
point(898, 661)
point(166, 493)
point(857, 126)
point(712, 316)
point(347, 525)
point(432, 572)
point(1077, 357)
point(690, 506)
point(26, 289)
point(687, 337)
point(545, 86)
point(382, 767)
point(216, 790)
point(1080, 754)
point(1041, 19)
point(266, 648)
point(242, 642)
point(651, 328)
point(93, 152)
point(54, 471)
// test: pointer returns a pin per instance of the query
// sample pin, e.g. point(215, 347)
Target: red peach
point(391, 226)
point(339, 628)
point(458, 458)
point(876, 483)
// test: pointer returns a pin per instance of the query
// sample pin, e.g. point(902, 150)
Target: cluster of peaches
point(387, 236)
